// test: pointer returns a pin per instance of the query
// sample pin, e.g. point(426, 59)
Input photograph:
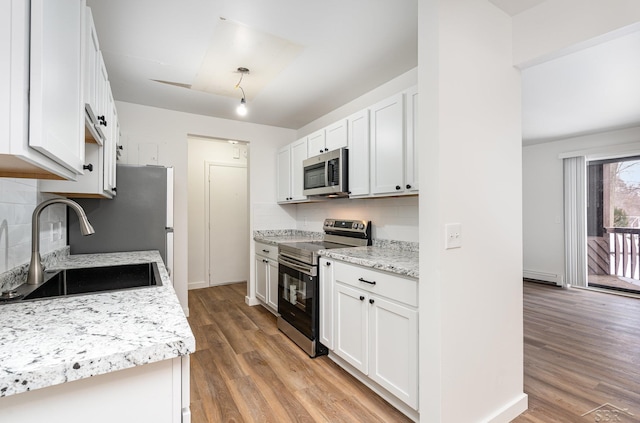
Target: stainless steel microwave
point(327, 174)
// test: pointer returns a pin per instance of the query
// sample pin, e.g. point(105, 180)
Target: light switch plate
point(453, 233)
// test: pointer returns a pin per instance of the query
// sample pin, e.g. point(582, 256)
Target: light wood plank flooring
point(245, 370)
point(581, 350)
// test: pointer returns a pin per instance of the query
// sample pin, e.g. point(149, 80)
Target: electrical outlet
point(453, 232)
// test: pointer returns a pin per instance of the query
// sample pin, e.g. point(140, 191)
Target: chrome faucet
point(36, 272)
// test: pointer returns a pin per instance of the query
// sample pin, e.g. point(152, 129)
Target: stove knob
point(361, 225)
point(355, 225)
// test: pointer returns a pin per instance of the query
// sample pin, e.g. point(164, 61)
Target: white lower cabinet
point(375, 326)
point(326, 302)
point(266, 274)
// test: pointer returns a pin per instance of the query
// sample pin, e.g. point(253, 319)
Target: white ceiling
point(592, 90)
point(308, 58)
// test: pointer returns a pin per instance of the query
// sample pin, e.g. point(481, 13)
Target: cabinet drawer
point(267, 250)
point(394, 287)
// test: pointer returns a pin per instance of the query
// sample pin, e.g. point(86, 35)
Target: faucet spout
point(36, 272)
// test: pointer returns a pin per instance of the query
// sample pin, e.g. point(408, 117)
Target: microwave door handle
point(326, 173)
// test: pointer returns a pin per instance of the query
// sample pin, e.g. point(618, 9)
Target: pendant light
point(242, 108)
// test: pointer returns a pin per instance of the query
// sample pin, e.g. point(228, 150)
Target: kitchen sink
point(89, 280)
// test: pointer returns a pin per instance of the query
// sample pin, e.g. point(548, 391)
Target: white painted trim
point(251, 301)
point(603, 153)
point(198, 285)
point(511, 410)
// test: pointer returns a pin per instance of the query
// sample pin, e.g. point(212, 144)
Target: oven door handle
point(307, 270)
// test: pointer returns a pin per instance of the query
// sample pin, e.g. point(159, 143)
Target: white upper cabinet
point(56, 124)
point(57, 158)
point(336, 136)
point(330, 138)
point(387, 146)
point(298, 155)
point(91, 91)
point(358, 136)
point(315, 143)
point(289, 172)
point(283, 188)
point(411, 161)
point(100, 119)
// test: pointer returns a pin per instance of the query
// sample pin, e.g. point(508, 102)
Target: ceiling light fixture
point(242, 108)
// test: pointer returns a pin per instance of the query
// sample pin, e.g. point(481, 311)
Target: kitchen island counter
point(49, 342)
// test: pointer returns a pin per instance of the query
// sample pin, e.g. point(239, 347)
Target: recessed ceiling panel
point(235, 45)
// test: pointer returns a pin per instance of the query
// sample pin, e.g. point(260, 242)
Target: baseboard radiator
point(545, 277)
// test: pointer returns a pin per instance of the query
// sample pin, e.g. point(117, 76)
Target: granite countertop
point(387, 255)
point(275, 237)
point(52, 341)
point(398, 261)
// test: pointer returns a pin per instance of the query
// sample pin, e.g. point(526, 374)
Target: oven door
point(297, 295)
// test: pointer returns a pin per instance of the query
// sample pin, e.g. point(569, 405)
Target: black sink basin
point(92, 279)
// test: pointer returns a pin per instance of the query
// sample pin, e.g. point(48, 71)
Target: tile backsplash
point(18, 199)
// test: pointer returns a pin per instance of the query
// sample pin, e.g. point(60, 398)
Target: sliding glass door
point(613, 224)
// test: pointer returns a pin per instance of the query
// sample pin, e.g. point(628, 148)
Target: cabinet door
point(358, 135)
point(393, 343)
point(411, 161)
point(351, 336)
point(92, 51)
point(316, 143)
point(284, 174)
point(56, 113)
point(387, 146)
point(336, 135)
point(261, 278)
point(110, 143)
point(298, 155)
point(326, 302)
point(272, 284)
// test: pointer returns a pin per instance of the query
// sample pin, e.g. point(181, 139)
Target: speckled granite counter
point(390, 256)
point(275, 237)
point(48, 342)
point(400, 261)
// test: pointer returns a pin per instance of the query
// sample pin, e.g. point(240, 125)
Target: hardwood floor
point(245, 370)
point(581, 350)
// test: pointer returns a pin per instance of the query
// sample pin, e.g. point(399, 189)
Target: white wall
point(18, 199)
point(168, 130)
point(201, 152)
point(542, 185)
point(392, 217)
point(557, 27)
point(471, 337)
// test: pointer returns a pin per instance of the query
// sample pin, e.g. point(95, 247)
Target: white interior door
point(228, 224)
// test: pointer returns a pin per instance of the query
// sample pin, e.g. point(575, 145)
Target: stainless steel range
point(298, 282)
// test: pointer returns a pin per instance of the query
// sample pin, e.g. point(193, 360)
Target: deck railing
point(624, 249)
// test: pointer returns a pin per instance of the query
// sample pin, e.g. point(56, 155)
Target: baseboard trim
point(251, 301)
point(511, 410)
point(198, 285)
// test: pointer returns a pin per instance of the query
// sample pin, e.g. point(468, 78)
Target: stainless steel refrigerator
point(139, 217)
